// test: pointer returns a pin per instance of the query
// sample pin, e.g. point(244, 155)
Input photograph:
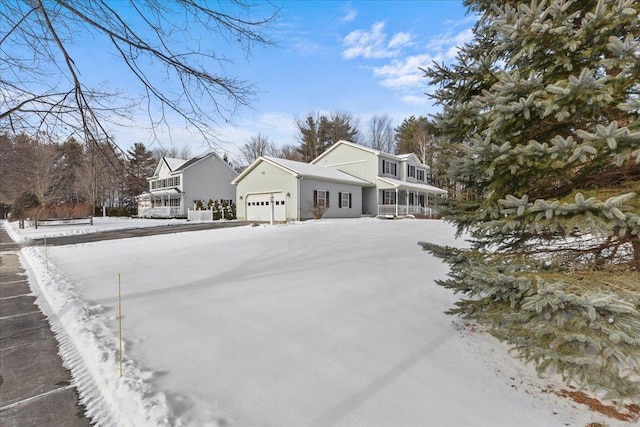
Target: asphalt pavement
point(35, 389)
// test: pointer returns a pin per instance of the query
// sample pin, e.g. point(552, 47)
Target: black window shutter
point(339, 199)
point(349, 200)
point(315, 199)
point(327, 199)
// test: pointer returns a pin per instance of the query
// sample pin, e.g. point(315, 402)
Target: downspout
point(299, 197)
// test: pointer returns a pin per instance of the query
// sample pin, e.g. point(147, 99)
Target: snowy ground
point(321, 323)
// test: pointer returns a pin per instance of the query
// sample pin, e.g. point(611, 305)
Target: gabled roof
point(196, 159)
point(172, 163)
point(177, 165)
point(350, 144)
point(304, 170)
point(400, 157)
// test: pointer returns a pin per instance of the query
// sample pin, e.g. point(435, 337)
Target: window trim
point(389, 167)
point(389, 197)
point(342, 200)
point(316, 198)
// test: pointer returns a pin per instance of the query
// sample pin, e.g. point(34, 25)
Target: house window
point(320, 199)
point(389, 168)
point(420, 176)
point(345, 200)
point(411, 199)
point(411, 171)
point(176, 180)
point(174, 202)
point(388, 197)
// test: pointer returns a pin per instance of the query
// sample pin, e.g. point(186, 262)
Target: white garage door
point(259, 207)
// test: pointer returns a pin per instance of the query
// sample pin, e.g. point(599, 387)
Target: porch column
point(406, 195)
point(396, 201)
point(426, 202)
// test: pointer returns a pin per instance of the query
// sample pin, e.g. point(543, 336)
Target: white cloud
point(305, 47)
point(449, 44)
point(403, 73)
point(372, 44)
point(400, 39)
point(350, 15)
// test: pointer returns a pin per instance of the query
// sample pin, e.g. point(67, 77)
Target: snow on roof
point(174, 163)
point(308, 170)
point(400, 157)
point(404, 185)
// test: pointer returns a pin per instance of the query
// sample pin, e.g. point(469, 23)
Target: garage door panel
point(259, 207)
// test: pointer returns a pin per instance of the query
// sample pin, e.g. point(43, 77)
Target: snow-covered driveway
point(322, 323)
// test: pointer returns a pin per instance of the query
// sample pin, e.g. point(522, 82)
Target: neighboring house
point(177, 184)
point(291, 190)
point(398, 183)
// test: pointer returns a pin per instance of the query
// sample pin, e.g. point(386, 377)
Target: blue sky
point(360, 57)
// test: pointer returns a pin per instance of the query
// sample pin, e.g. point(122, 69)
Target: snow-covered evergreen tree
point(543, 108)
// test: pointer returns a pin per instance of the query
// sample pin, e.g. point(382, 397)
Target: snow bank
point(321, 323)
point(88, 350)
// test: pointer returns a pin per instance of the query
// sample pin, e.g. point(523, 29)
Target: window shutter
point(339, 200)
point(327, 199)
point(315, 199)
point(349, 200)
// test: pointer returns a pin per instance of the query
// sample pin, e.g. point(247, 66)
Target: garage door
point(259, 208)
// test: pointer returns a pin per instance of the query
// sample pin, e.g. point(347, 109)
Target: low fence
point(59, 221)
point(199, 215)
point(160, 212)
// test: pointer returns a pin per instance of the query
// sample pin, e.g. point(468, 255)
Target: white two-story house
point(399, 182)
point(177, 185)
point(348, 180)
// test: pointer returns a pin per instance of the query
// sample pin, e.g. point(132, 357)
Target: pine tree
point(542, 107)
point(319, 132)
point(140, 166)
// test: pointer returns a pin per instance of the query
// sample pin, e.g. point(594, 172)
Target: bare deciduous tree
point(289, 152)
point(173, 152)
point(167, 48)
point(381, 133)
point(258, 145)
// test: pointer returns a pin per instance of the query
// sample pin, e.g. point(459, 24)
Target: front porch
point(161, 204)
point(401, 198)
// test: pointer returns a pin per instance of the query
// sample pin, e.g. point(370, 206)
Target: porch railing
point(406, 210)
